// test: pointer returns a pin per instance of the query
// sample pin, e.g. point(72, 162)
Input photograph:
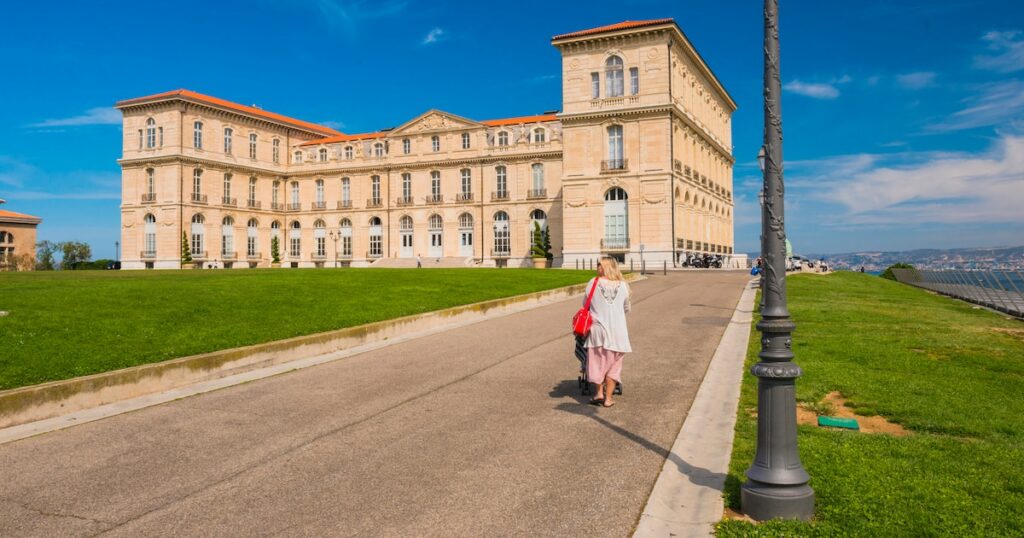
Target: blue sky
point(903, 120)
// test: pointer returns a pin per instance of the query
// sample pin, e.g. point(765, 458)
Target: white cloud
point(337, 125)
point(817, 91)
point(916, 81)
point(994, 103)
point(43, 185)
point(349, 14)
point(433, 36)
point(913, 188)
point(93, 116)
point(1007, 52)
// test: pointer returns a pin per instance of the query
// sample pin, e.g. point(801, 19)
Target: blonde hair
point(611, 268)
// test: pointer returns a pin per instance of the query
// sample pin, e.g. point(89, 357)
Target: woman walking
point(608, 341)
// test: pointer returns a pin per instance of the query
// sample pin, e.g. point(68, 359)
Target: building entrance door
point(465, 243)
point(406, 251)
point(435, 245)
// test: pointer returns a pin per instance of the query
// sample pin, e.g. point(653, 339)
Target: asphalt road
point(477, 431)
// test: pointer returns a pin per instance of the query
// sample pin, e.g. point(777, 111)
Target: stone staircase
point(447, 262)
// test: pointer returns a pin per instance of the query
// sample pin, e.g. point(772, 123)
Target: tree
point(186, 253)
point(74, 254)
point(44, 255)
point(541, 242)
point(275, 250)
point(888, 270)
point(547, 244)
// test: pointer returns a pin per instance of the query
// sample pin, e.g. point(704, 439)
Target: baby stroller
point(584, 383)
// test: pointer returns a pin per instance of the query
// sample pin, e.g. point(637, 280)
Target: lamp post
point(334, 237)
point(760, 201)
point(776, 485)
point(117, 251)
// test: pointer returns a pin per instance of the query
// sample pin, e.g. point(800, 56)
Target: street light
point(760, 201)
point(776, 485)
point(334, 237)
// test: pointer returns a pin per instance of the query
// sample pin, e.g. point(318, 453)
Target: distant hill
point(929, 258)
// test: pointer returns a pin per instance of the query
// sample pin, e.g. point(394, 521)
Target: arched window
point(613, 76)
point(227, 237)
point(150, 236)
point(465, 140)
point(197, 230)
point(435, 143)
point(376, 239)
point(501, 183)
point(538, 190)
point(435, 226)
point(197, 135)
point(615, 160)
point(251, 236)
point(297, 157)
point(538, 135)
point(616, 221)
point(465, 221)
point(295, 239)
point(150, 133)
point(406, 146)
point(501, 242)
point(405, 224)
point(435, 222)
point(252, 145)
point(323, 154)
point(228, 132)
point(503, 138)
point(345, 227)
point(349, 152)
point(320, 238)
point(378, 149)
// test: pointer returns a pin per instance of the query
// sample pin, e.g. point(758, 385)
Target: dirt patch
point(839, 407)
point(1016, 333)
point(731, 514)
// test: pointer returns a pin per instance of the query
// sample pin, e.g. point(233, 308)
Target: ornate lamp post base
point(766, 501)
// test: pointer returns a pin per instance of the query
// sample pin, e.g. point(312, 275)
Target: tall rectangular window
point(406, 146)
point(252, 190)
point(252, 145)
point(465, 140)
point(319, 191)
point(160, 133)
point(140, 138)
point(346, 190)
point(407, 187)
point(501, 185)
point(538, 177)
point(435, 184)
point(375, 188)
point(634, 81)
point(150, 182)
point(197, 183)
point(227, 140)
point(467, 182)
point(277, 151)
point(227, 187)
point(274, 199)
point(197, 135)
point(595, 85)
point(435, 143)
point(295, 193)
point(615, 161)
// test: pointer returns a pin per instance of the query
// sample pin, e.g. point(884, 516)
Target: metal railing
point(434, 199)
point(199, 198)
point(464, 197)
point(294, 207)
point(228, 254)
point(533, 194)
point(1001, 290)
point(149, 198)
point(343, 256)
point(198, 254)
point(499, 196)
point(319, 205)
point(371, 254)
point(615, 243)
point(275, 206)
point(227, 200)
point(253, 204)
point(403, 201)
point(614, 165)
point(253, 255)
point(345, 204)
point(500, 253)
point(374, 202)
point(147, 254)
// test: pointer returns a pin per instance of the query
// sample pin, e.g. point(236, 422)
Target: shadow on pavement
point(697, 475)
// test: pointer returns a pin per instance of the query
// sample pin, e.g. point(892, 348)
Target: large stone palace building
point(639, 158)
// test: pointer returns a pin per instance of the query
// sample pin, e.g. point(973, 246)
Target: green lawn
point(942, 369)
point(67, 324)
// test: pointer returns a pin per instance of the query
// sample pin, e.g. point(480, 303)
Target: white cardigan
point(608, 309)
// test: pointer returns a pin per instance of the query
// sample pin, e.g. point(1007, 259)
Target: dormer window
point(348, 152)
point(538, 135)
point(503, 138)
point(297, 157)
point(323, 155)
point(378, 150)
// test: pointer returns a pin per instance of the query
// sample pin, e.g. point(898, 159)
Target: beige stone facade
point(17, 240)
point(229, 178)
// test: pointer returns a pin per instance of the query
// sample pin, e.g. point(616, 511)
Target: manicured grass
point(939, 367)
point(67, 324)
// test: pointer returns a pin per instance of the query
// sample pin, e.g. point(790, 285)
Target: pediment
point(435, 120)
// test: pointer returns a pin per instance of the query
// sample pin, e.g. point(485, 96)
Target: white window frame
point(634, 81)
point(465, 140)
point(406, 146)
point(197, 135)
point(435, 143)
point(229, 134)
point(252, 145)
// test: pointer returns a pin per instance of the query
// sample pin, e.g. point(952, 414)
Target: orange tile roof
point(196, 96)
point(344, 138)
point(12, 215)
point(520, 119)
point(612, 27)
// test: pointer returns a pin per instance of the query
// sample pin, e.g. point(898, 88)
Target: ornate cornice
point(186, 107)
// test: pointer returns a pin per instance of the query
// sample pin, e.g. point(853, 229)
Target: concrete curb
point(24, 405)
point(687, 498)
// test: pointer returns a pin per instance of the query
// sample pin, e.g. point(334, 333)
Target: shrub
point(888, 270)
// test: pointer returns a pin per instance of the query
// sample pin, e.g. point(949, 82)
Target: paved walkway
point(476, 431)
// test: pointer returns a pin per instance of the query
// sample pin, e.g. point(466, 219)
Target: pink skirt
point(602, 363)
